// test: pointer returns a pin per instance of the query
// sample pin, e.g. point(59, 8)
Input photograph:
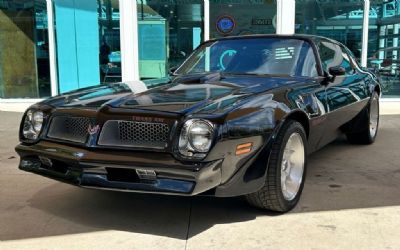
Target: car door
point(346, 94)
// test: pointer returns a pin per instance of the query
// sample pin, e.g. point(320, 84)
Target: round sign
point(225, 24)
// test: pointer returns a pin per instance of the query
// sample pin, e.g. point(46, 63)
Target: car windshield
point(253, 56)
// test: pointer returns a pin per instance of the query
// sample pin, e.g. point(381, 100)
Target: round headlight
point(33, 124)
point(200, 136)
point(37, 121)
point(196, 137)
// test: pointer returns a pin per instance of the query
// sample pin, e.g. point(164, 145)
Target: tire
point(368, 129)
point(272, 195)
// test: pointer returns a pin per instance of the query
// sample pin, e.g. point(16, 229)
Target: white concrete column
point(396, 29)
point(129, 40)
point(206, 27)
point(285, 17)
point(52, 48)
point(382, 41)
point(365, 32)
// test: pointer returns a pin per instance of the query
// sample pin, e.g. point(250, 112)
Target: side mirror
point(337, 71)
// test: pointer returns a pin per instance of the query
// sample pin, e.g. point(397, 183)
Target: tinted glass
point(346, 63)
point(340, 20)
point(242, 17)
point(24, 49)
point(168, 33)
point(332, 55)
point(384, 46)
point(259, 56)
point(109, 35)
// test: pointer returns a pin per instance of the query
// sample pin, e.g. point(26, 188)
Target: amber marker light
point(244, 148)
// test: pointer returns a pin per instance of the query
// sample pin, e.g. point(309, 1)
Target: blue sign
point(225, 24)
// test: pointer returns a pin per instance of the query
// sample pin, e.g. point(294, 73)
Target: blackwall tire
point(368, 130)
point(286, 171)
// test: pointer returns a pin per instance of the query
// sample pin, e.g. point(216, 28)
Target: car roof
point(311, 38)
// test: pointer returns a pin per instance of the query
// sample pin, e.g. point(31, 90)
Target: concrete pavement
point(351, 200)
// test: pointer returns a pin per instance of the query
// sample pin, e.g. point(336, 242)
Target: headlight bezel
point(186, 147)
point(32, 125)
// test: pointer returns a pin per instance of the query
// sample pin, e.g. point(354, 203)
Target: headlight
point(33, 124)
point(196, 138)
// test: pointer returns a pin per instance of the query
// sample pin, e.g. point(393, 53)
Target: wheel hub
point(374, 117)
point(292, 166)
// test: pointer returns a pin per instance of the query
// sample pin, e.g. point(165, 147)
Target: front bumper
point(116, 170)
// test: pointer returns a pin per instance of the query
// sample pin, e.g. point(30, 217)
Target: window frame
point(319, 52)
point(343, 50)
point(354, 63)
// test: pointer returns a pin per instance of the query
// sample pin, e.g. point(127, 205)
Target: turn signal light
point(244, 148)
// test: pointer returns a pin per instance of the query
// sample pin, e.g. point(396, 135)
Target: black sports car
point(238, 117)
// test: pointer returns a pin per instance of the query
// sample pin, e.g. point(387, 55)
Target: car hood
point(201, 93)
point(186, 94)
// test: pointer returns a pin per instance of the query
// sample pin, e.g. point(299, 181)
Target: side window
point(327, 54)
point(309, 64)
point(332, 55)
point(352, 59)
point(347, 63)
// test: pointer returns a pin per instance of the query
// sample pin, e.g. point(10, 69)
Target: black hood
point(181, 95)
point(201, 92)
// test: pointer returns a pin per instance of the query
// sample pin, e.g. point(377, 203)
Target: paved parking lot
point(351, 200)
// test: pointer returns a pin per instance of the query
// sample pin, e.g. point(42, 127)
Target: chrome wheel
point(374, 116)
point(292, 166)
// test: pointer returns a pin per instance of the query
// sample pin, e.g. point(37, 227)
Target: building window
point(242, 17)
point(383, 45)
point(24, 50)
point(339, 20)
point(88, 43)
point(110, 44)
point(168, 33)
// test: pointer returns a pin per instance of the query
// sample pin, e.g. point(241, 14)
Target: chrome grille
point(134, 134)
point(67, 128)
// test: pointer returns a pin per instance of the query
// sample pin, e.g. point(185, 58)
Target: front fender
point(249, 173)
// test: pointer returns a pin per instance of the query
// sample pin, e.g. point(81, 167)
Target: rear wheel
point(285, 172)
point(367, 132)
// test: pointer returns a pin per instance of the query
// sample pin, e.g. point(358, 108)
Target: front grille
point(134, 134)
point(67, 128)
point(141, 132)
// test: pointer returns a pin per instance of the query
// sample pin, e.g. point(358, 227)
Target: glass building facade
point(243, 17)
point(383, 44)
point(168, 33)
point(24, 51)
point(54, 46)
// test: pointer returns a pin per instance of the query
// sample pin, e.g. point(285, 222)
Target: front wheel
point(285, 171)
